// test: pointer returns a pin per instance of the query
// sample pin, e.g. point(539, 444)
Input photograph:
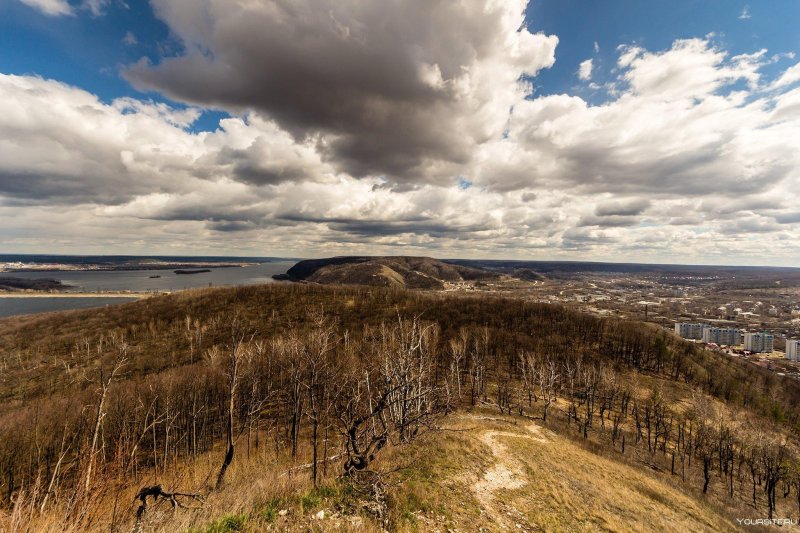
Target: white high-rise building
point(761, 342)
point(721, 336)
point(689, 331)
point(793, 350)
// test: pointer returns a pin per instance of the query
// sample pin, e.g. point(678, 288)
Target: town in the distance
point(752, 313)
point(736, 341)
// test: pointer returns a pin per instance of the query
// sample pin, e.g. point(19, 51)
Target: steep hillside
point(494, 473)
point(480, 472)
point(407, 272)
point(305, 407)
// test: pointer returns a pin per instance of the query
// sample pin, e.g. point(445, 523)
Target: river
point(84, 281)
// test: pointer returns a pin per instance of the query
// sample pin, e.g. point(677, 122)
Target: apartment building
point(689, 331)
point(793, 349)
point(722, 336)
point(760, 342)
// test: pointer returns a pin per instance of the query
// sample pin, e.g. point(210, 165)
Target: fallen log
point(157, 492)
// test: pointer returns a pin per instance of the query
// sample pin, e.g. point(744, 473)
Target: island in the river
point(8, 284)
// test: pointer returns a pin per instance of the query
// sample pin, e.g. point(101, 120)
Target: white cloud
point(670, 132)
point(405, 90)
point(745, 14)
point(691, 68)
point(789, 77)
point(53, 8)
point(56, 8)
point(96, 7)
point(585, 70)
point(676, 132)
point(59, 144)
point(694, 158)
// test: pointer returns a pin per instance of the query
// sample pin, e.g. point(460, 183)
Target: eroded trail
point(507, 473)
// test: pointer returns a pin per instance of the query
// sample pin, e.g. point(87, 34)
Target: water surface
point(27, 306)
point(134, 281)
point(167, 280)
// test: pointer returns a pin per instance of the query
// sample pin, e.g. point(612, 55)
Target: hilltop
point(305, 407)
point(401, 271)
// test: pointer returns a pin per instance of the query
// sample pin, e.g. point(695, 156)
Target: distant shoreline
point(136, 295)
point(121, 268)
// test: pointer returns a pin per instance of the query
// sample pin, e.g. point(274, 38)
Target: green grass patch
point(229, 523)
point(269, 513)
point(316, 497)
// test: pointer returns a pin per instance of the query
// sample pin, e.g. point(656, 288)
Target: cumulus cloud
point(344, 138)
point(585, 70)
point(404, 90)
point(690, 126)
point(61, 144)
point(675, 129)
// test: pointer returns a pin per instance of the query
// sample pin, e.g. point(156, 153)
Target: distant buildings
point(708, 334)
point(793, 350)
point(761, 342)
point(689, 331)
point(757, 342)
point(721, 336)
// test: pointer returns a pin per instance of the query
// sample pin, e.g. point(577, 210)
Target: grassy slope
point(479, 473)
point(496, 473)
point(458, 480)
point(564, 486)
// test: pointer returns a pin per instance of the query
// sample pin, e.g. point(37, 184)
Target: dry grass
point(560, 485)
point(570, 488)
point(262, 493)
point(435, 484)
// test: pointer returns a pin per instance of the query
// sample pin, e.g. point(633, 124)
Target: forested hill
point(400, 271)
point(380, 409)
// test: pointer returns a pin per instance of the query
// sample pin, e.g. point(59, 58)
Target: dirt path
point(507, 473)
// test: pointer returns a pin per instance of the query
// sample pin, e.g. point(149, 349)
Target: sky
point(554, 129)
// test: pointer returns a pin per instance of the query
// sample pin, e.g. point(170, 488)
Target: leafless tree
point(105, 378)
point(233, 357)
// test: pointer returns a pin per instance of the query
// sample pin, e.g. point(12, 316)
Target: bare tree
point(549, 380)
point(233, 357)
point(397, 395)
point(105, 379)
point(458, 351)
